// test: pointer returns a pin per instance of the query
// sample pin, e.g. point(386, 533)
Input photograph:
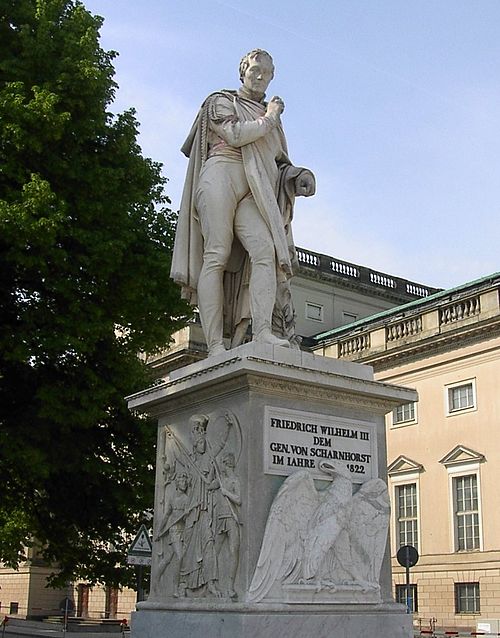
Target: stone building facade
point(24, 593)
point(443, 451)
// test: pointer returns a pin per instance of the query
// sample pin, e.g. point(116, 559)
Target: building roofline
point(363, 278)
point(417, 304)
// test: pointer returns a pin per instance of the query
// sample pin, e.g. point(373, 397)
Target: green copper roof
point(329, 334)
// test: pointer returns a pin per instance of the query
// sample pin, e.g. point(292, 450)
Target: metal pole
point(408, 591)
point(66, 607)
point(140, 592)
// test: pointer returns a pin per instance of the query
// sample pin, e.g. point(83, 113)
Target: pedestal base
point(250, 420)
point(383, 621)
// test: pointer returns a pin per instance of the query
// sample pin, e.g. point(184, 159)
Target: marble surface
point(348, 624)
point(214, 497)
point(197, 520)
point(306, 370)
point(323, 545)
point(234, 253)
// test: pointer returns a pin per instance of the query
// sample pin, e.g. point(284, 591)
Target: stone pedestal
point(244, 421)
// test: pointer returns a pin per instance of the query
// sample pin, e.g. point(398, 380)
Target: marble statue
point(172, 527)
point(228, 523)
point(323, 541)
point(199, 514)
point(234, 251)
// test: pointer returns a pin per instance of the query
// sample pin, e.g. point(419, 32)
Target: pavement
point(37, 629)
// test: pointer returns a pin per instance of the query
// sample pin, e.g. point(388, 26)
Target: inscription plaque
point(300, 440)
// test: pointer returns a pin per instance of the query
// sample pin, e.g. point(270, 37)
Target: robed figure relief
point(197, 528)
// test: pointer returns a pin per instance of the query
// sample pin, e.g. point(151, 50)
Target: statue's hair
point(254, 53)
point(184, 474)
point(199, 422)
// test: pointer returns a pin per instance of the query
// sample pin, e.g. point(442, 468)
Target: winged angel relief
point(323, 545)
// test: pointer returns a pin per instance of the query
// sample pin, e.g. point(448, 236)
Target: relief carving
point(197, 527)
point(323, 545)
point(171, 531)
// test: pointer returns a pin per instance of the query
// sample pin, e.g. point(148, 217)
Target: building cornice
point(395, 337)
point(435, 344)
point(360, 278)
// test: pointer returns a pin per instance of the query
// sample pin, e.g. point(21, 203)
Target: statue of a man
point(234, 250)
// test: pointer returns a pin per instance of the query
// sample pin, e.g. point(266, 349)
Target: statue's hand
point(275, 107)
point(305, 185)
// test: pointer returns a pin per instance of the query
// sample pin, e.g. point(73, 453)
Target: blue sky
point(394, 104)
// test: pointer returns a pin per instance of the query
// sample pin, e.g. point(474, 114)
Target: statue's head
point(256, 70)
point(199, 424)
point(182, 481)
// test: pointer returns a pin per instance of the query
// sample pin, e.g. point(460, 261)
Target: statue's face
point(182, 482)
point(200, 445)
point(259, 73)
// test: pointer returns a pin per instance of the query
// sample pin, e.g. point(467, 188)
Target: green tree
point(85, 242)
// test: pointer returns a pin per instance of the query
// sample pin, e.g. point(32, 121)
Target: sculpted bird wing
point(282, 546)
point(328, 521)
point(368, 528)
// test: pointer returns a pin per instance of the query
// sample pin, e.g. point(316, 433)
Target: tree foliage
point(85, 238)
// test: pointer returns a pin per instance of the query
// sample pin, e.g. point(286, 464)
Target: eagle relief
point(323, 546)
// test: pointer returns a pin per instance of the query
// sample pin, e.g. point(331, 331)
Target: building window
point(461, 397)
point(466, 505)
point(349, 317)
point(402, 593)
point(467, 598)
point(407, 515)
point(314, 311)
point(14, 608)
point(111, 602)
point(403, 414)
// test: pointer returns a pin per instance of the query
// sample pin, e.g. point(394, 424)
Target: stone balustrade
point(419, 321)
point(307, 258)
point(406, 328)
point(416, 289)
point(354, 346)
point(460, 310)
point(341, 268)
point(363, 275)
point(382, 280)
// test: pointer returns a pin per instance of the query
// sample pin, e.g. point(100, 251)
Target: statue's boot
point(216, 349)
point(262, 300)
point(264, 335)
point(210, 307)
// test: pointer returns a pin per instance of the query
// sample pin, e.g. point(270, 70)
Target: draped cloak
point(271, 178)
